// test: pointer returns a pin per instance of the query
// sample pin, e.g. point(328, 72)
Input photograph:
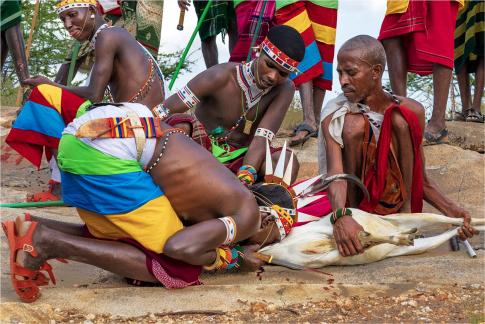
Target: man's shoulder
point(116, 34)
point(412, 104)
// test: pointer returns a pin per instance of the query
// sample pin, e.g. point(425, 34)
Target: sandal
point(434, 139)
point(45, 195)
point(457, 116)
point(473, 116)
point(303, 127)
point(28, 288)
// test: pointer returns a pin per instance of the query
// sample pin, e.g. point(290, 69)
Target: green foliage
point(168, 63)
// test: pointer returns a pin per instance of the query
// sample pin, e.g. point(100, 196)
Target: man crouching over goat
point(369, 132)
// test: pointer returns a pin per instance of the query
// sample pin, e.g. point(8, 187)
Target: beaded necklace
point(92, 43)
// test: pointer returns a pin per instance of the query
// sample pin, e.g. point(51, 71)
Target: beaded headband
point(278, 56)
point(64, 5)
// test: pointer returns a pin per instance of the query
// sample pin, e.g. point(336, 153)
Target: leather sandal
point(28, 287)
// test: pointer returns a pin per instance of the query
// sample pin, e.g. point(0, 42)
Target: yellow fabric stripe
point(394, 7)
point(469, 33)
point(151, 225)
point(52, 94)
point(324, 34)
point(400, 6)
point(300, 22)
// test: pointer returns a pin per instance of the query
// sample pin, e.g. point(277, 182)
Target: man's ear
point(377, 70)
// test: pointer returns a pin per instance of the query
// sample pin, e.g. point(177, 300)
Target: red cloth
point(199, 134)
point(427, 29)
point(247, 15)
point(374, 180)
point(170, 272)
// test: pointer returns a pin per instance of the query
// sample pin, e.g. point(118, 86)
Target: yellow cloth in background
point(151, 225)
point(400, 6)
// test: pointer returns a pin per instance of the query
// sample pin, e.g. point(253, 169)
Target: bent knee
point(399, 124)
point(354, 128)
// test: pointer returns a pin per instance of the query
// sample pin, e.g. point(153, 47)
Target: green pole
point(34, 204)
point(72, 65)
point(187, 48)
point(256, 32)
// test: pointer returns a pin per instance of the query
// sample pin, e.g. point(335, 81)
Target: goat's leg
point(368, 239)
point(419, 220)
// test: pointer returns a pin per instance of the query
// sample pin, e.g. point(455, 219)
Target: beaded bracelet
point(227, 258)
point(247, 174)
point(340, 212)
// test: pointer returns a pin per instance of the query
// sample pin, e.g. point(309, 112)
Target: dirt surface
point(439, 286)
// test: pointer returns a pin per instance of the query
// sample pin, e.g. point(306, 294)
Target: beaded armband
point(227, 258)
point(231, 229)
point(264, 132)
point(340, 212)
point(247, 174)
point(189, 99)
point(161, 111)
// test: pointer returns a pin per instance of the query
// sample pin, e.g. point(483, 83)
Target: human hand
point(37, 80)
point(346, 233)
point(184, 4)
point(250, 261)
point(466, 231)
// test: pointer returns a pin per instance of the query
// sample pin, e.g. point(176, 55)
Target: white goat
point(313, 246)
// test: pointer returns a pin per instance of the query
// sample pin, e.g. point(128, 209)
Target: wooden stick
point(180, 25)
point(29, 44)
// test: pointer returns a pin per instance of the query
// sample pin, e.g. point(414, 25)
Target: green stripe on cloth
point(332, 4)
point(10, 14)
point(469, 35)
point(218, 18)
point(78, 158)
point(82, 109)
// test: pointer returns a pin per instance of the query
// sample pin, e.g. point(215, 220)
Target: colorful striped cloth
point(247, 16)
point(427, 29)
point(217, 19)
point(316, 21)
point(10, 14)
point(116, 198)
point(470, 35)
point(41, 121)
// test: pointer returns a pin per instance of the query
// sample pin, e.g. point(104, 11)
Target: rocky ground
point(439, 286)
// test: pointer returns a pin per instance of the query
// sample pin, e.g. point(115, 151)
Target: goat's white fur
point(313, 246)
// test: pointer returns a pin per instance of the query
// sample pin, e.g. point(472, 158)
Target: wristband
point(247, 174)
point(339, 213)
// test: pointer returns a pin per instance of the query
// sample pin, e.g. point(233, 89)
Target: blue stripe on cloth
point(39, 118)
point(312, 57)
point(109, 194)
point(327, 71)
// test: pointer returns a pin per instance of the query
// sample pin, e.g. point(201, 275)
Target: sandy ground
point(439, 286)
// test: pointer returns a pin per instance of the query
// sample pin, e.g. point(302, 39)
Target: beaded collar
point(92, 44)
point(247, 83)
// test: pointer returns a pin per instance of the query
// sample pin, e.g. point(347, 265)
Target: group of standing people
point(167, 185)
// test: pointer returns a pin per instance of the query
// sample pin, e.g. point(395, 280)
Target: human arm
point(201, 86)
point(184, 4)
point(271, 120)
point(345, 229)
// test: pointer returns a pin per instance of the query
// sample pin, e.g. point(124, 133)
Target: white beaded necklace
point(247, 83)
point(95, 36)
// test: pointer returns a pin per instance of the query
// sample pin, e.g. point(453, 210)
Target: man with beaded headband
point(136, 183)
point(123, 68)
point(238, 106)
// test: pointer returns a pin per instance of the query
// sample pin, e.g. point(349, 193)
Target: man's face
point(77, 22)
point(355, 75)
point(268, 233)
point(269, 73)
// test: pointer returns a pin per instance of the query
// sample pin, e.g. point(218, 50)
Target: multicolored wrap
point(470, 35)
point(10, 14)
point(316, 21)
point(41, 121)
point(247, 16)
point(427, 29)
point(217, 20)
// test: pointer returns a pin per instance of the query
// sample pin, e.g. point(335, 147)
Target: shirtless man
point(122, 65)
point(239, 106)
point(132, 227)
point(393, 168)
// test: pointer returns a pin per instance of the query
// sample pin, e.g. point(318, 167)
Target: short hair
point(288, 40)
point(372, 50)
